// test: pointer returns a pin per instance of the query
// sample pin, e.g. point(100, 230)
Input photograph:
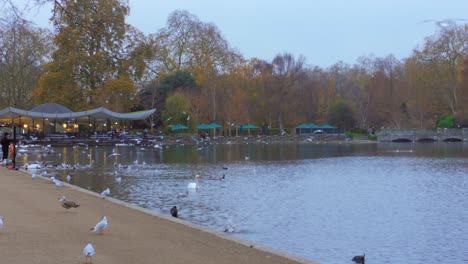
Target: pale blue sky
point(324, 31)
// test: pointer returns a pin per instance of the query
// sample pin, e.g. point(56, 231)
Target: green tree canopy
point(341, 115)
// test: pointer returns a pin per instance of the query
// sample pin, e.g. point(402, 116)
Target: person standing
point(5, 145)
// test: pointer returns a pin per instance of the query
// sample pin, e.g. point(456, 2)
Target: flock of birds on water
point(89, 250)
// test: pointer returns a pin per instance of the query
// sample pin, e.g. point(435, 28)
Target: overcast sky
point(324, 31)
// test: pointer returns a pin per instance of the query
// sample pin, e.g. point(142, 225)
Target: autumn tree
point(445, 52)
point(288, 73)
point(23, 49)
point(94, 46)
point(187, 43)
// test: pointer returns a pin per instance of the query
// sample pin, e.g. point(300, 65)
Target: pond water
point(397, 203)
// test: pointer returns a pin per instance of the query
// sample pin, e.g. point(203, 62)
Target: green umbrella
point(178, 127)
point(208, 126)
point(248, 126)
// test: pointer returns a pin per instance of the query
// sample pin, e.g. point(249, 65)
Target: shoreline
point(38, 230)
point(191, 140)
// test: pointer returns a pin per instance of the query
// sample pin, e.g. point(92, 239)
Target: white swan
point(194, 185)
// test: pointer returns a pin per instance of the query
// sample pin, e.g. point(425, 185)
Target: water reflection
point(395, 202)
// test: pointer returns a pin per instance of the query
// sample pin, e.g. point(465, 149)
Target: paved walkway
point(38, 230)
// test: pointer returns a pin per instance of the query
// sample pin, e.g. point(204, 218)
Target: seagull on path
point(99, 227)
point(105, 193)
point(58, 183)
point(89, 252)
point(67, 204)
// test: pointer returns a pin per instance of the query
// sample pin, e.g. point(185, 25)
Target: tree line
point(190, 73)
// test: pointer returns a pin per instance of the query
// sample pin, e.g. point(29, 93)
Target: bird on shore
point(89, 252)
point(105, 193)
point(174, 211)
point(360, 259)
point(67, 204)
point(99, 227)
point(229, 227)
point(58, 183)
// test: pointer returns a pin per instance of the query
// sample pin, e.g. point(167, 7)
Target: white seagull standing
point(89, 252)
point(99, 227)
point(105, 193)
point(58, 183)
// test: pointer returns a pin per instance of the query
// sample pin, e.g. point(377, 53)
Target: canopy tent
point(328, 129)
point(209, 126)
point(248, 126)
point(98, 113)
point(178, 127)
point(306, 128)
point(51, 108)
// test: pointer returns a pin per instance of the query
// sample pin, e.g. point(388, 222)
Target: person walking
point(5, 145)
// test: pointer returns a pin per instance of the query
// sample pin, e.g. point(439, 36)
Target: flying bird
point(89, 252)
point(174, 211)
point(99, 227)
point(105, 193)
point(67, 204)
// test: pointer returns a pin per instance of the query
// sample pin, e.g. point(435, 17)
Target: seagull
point(67, 204)
point(113, 154)
point(89, 252)
point(229, 227)
point(100, 226)
point(105, 193)
point(58, 183)
point(359, 259)
point(174, 211)
point(32, 166)
point(68, 178)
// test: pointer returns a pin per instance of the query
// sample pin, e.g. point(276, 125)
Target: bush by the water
point(446, 122)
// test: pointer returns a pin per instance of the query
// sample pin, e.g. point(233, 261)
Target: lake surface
point(397, 203)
